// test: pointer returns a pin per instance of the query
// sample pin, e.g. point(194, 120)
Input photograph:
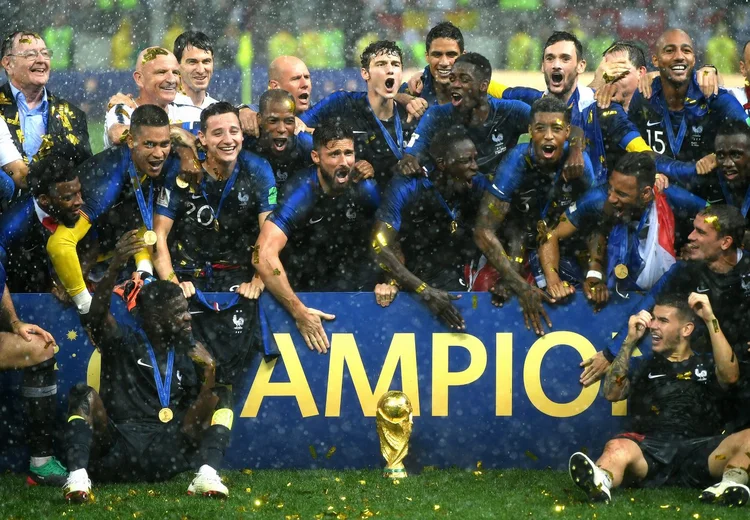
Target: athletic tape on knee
point(223, 417)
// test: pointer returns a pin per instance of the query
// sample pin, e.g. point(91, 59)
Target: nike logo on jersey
point(140, 362)
point(652, 376)
point(702, 289)
point(313, 221)
point(653, 123)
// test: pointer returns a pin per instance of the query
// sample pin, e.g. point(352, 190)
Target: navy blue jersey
point(328, 246)
point(23, 241)
point(370, 143)
point(524, 94)
point(7, 187)
point(109, 198)
point(195, 239)
point(693, 128)
point(428, 88)
point(535, 195)
point(295, 157)
point(506, 121)
point(435, 248)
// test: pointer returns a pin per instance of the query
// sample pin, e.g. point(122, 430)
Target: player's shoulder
point(404, 184)
point(19, 212)
point(106, 161)
point(303, 184)
point(252, 162)
point(592, 200)
point(509, 105)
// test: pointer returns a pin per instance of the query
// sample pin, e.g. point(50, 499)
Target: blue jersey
point(328, 246)
point(105, 184)
point(435, 233)
point(218, 223)
point(377, 142)
point(7, 187)
point(23, 241)
point(535, 195)
point(295, 157)
point(428, 88)
point(506, 121)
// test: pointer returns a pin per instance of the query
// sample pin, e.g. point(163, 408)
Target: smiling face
point(561, 67)
point(63, 202)
point(549, 131)
point(26, 71)
point(674, 57)
point(157, 78)
point(383, 76)
point(223, 138)
point(443, 52)
point(467, 89)
point(149, 147)
point(705, 243)
point(334, 161)
point(277, 126)
point(196, 68)
point(733, 156)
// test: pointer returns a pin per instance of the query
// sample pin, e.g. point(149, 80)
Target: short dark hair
point(550, 104)
point(58, 166)
point(445, 139)
point(638, 165)
point(445, 30)
point(679, 302)
point(636, 55)
point(148, 115)
point(274, 95)
point(481, 64)
point(377, 48)
point(331, 130)
point(728, 222)
point(216, 109)
point(564, 36)
point(195, 39)
point(8, 41)
point(154, 295)
point(733, 127)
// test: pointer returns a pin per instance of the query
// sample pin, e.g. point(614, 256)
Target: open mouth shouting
point(279, 144)
point(556, 80)
point(341, 175)
point(303, 101)
point(154, 167)
point(548, 151)
point(390, 83)
point(656, 338)
point(456, 98)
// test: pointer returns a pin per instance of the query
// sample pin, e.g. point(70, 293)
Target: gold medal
point(149, 237)
point(165, 415)
point(454, 226)
point(182, 182)
point(621, 271)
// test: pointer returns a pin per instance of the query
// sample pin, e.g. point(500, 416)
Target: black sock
point(213, 444)
point(78, 437)
point(39, 393)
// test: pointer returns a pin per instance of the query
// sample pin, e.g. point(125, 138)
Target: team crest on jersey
point(701, 373)
point(745, 282)
point(351, 214)
point(239, 323)
point(243, 198)
point(499, 140)
point(696, 137)
point(281, 175)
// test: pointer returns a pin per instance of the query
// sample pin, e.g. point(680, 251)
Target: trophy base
point(395, 473)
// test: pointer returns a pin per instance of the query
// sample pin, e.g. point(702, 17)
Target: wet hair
point(638, 165)
point(550, 105)
point(331, 130)
point(481, 64)
point(7, 46)
point(679, 302)
point(59, 166)
point(216, 109)
point(153, 297)
point(733, 128)
point(564, 36)
point(729, 222)
point(446, 139)
point(635, 53)
point(274, 95)
point(376, 49)
point(148, 115)
point(195, 39)
point(445, 30)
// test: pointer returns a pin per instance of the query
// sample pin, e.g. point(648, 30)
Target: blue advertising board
point(494, 393)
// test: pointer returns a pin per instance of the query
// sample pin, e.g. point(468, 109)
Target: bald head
point(674, 56)
point(290, 73)
point(157, 75)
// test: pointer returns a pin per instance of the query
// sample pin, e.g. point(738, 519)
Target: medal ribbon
point(451, 212)
point(396, 148)
point(147, 212)
point(730, 200)
point(675, 143)
point(163, 386)
point(227, 188)
point(617, 247)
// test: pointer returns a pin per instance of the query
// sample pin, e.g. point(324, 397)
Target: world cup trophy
point(394, 422)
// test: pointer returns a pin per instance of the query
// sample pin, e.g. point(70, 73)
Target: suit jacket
point(66, 125)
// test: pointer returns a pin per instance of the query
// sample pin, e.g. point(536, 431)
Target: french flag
point(658, 253)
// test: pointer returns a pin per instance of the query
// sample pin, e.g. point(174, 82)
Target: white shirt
point(184, 99)
point(8, 150)
point(186, 115)
point(741, 95)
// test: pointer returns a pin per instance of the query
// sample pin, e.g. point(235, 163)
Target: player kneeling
point(153, 417)
point(673, 400)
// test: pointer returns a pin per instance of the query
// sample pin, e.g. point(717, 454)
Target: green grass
point(96, 135)
point(326, 494)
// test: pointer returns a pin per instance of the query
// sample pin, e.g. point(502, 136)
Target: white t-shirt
point(184, 99)
point(8, 150)
point(741, 95)
point(186, 115)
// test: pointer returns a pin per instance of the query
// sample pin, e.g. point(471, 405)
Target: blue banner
point(495, 393)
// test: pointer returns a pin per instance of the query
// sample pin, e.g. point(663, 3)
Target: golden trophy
point(394, 421)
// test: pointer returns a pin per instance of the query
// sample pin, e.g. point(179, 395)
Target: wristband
point(421, 288)
point(594, 274)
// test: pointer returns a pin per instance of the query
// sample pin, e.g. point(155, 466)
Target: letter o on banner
point(532, 379)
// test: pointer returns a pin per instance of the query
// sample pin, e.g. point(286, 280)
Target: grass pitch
point(326, 494)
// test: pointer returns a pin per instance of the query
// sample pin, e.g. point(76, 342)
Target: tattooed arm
point(617, 381)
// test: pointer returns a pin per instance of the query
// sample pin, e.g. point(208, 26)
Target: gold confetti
point(276, 272)
point(396, 482)
point(337, 479)
point(152, 53)
point(280, 505)
point(132, 492)
point(477, 473)
point(257, 502)
point(720, 457)
point(292, 517)
point(247, 472)
point(559, 508)
point(531, 456)
point(288, 484)
point(248, 490)
point(152, 493)
point(409, 499)
point(474, 301)
point(313, 453)
point(341, 516)
point(436, 507)
point(479, 464)
point(343, 499)
point(362, 482)
point(366, 513)
point(696, 516)
point(666, 506)
point(331, 452)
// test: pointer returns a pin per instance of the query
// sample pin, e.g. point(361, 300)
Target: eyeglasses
point(32, 55)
